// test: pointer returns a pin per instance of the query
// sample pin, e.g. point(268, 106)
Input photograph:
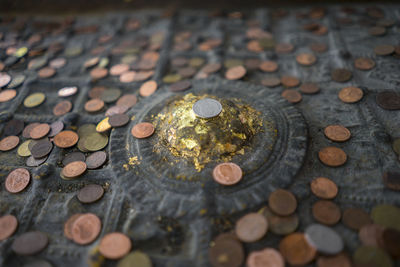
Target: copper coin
point(127, 100)
point(326, 212)
point(227, 173)
point(62, 108)
point(355, 218)
point(115, 245)
point(187, 72)
point(271, 81)
point(40, 131)
point(90, 193)
point(85, 228)
point(292, 96)
point(391, 180)
point(180, 86)
point(98, 73)
point(318, 47)
point(324, 188)
point(68, 225)
point(251, 227)
point(363, 63)
point(27, 130)
point(290, 81)
point(13, 127)
point(118, 120)
point(66, 139)
point(309, 88)
point(384, 50)
point(296, 250)
point(46, 72)
point(67, 91)
point(268, 66)
point(17, 180)
point(118, 69)
point(332, 156)
point(96, 160)
point(211, 67)
point(142, 130)
point(142, 75)
point(4, 79)
point(58, 63)
point(235, 73)
point(341, 75)
point(74, 169)
point(350, 94)
point(391, 239)
point(252, 63)
point(280, 225)
point(94, 105)
point(284, 48)
point(110, 95)
point(9, 142)
point(371, 235)
point(114, 110)
point(55, 128)
point(74, 156)
point(337, 133)
point(148, 88)
point(91, 62)
point(96, 91)
point(8, 225)
point(30, 243)
point(282, 202)
point(339, 260)
point(268, 257)
point(226, 252)
point(41, 148)
point(127, 77)
point(7, 95)
point(377, 31)
point(388, 100)
point(306, 59)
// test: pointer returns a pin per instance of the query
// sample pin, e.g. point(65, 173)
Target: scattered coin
point(119, 69)
point(13, 127)
point(8, 226)
point(55, 128)
point(41, 148)
point(377, 31)
point(66, 139)
point(363, 63)
point(290, 81)
point(32, 162)
point(268, 66)
point(355, 218)
point(115, 245)
point(7, 95)
point(271, 81)
point(8, 143)
point(211, 67)
point(226, 252)
point(207, 108)
point(46, 72)
point(319, 47)
point(67, 91)
point(284, 48)
point(118, 120)
point(339, 260)
point(309, 88)
point(5, 79)
point(296, 250)
point(127, 77)
point(282, 202)
point(103, 125)
point(350, 94)
point(127, 100)
point(148, 88)
point(251, 227)
point(280, 225)
point(292, 96)
point(98, 73)
point(180, 86)
point(324, 188)
point(95, 141)
point(384, 50)
point(40, 131)
point(142, 130)
point(235, 73)
point(34, 100)
point(74, 156)
point(227, 173)
point(135, 259)
point(371, 235)
point(306, 59)
point(30, 243)
point(341, 75)
point(23, 149)
point(386, 215)
point(371, 256)
point(268, 257)
point(337, 133)
point(114, 110)
point(324, 239)
point(332, 156)
point(110, 95)
point(326, 212)
point(17, 180)
point(68, 225)
point(391, 180)
point(90, 193)
point(85, 228)
point(388, 100)
point(26, 133)
point(96, 160)
point(74, 169)
point(94, 105)
point(58, 63)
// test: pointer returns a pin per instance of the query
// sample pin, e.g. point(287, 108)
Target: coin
point(13, 127)
point(371, 235)
point(32, 162)
point(67, 91)
point(41, 148)
point(180, 86)
point(282, 202)
point(8, 225)
point(319, 47)
point(326, 212)
point(26, 133)
point(388, 100)
point(95, 141)
point(187, 72)
point(135, 259)
point(115, 245)
point(74, 169)
point(296, 250)
point(284, 48)
point(118, 69)
point(118, 120)
point(226, 252)
point(66, 139)
point(172, 78)
point(103, 125)
point(289, 81)
point(46, 72)
point(235, 73)
point(55, 128)
point(16, 81)
point(74, 156)
point(127, 100)
point(268, 257)
point(280, 225)
point(291, 95)
point(85, 228)
point(391, 239)
point(324, 188)
point(8, 143)
point(34, 100)
point(268, 66)
point(391, 180)
point(127, 77)
point(148, 88)
point(377, 31)
point(90, 193)
point(384, 50)
point(306, 59)
point(324, 239)
point(350, 94)
point(207, 108)
point(373, 256)
point(17, 180)
point(227, 173)
point(309, 88)
point(355, 218)
point(58, 63)
point(339, 260)
point(94, 105)
point(91, 62)
point(332, 156)
point(96, 160)
point(7, 95)
point(30, 243)
point(110, 95)
point(23, 149)
point(251, 227)
point(4, 79)
point(337, 133)
point(40, 131)
point(211, 67)
point(386, 215)
point(142, 130)
point(98, 73)
point(341, 75)
point(271, 81)
point(363, 63)
point(68, 225)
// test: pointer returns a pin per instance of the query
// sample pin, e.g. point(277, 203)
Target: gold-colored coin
point(21, 52)
point(95, 141)
point(34, 100)
point(23, 149)
point(103, 125)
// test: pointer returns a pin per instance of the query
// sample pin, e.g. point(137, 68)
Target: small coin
point(46, 72)
point(339, 260)
point(180, 86)
point(324, 188)
point(96, 160)
point(268, 66)
point(96, 91)
point(98, 73)
point(118, 120)
point(13, 127)
point(68, 225)
point(324, 239)
point(110, 95)
point(391, 239)
point(377, 31)
point(142, 130)
point(103, 125)
point(371, 256)
point(55, 128)
point(127, 100)
point(114, 110)
point(17, 180)
point(306, 59)
point(5, 79)
point(211, 67)
point(74, 156)
point(355, 218)
point(296, 250)
point(251, 227)
point(90, 193)
point(280, 225)
point(115, 245)
point(341, 75)
point(371, 235)
point(332, 156)
point(227, 173)
point(290, 81)
point(387, 216)
point(309, 88)
point(119, 69)
point(8, 225)
point(58, 63)
point(230, 63)
point(187, 72)
point(292, 96)
point(226, 252)
point(337, 133)
point(207, 108)
point(148, 88)
point(34, 100)
point(40, 131)
point(7, 95)
point(284, 48)
point(268, 257)
point(26, 133)
point(41, 148)
point(384, 50)
point(32, 162)
point(172, 78)
point(74, 169)
point(363, 63)
point(350, 94)
point(66, 139)
point(390, 179)
point(23, 149)
point(235, 73)
point(85, 228)
point(67, 91)
point(91, 62)
point(388, 100)
point(326, 212)
point(127, 77)
point(62, 108)
point(30, 243)
point(271, 81)
point(16, 81)
point(8, 143)
point(319, 47)
point(135, 259)
point(37, 63)
point(282, 202)
point(94, 105)
point(95, 141)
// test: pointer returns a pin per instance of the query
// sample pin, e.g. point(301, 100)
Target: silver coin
point(207, 108)
point(32, 162)
point(67, 91)
point(324, 239)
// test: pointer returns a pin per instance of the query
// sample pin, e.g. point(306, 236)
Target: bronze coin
point(148, 88)
point(391, 239)
point(235, 73)
point(337, 133)
point(94, 105)
point(74, 169)
point(371, 235)
point(17, 180)
point(332, 156)
point(384, 50)
point(57, 63)
point(114, 110)
point(280, 225)
point(118, 69)
point(350, 94)
point(292, 96)
point(7, 95)
point(180, 86)
point(96, 160)
point(85, 228)
point(142, 130)
point(251, 227)
point(41, 148)
point(309, 88)
point(46, 72)
point(90, 193)
point(363, 63)
point(388, 100)
point(355, 218)
point(283, 48)
point(187, 72)
point(226, 252)
point(98, 73)
point(118, 120)
point(68, 225)
point(211, 67)
point(391, 180)
point(306, 59)
point(55, 128)
point(268, 257)
point(115, 245)
point(377, 31)
point(227, 173)
point(290, 81)
point(128, 77)
point(271, 81)
point(324, 188)
point(282, 202)
point(341, 75)
point(27, 130)
point(9, 142)
point(127, 100)
point(339, 260)
point(40, 131)
point(319, 47)
point(4, 79)
point(30, 243)
point(91, 62)
point(13, 127)
point(62, 108)
point(96, 91)
point(142, 75)
point(326, 212)
point(8, 225)
point(66, 139)
point(268, 66)
point(74, 156)
point(296, 250)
